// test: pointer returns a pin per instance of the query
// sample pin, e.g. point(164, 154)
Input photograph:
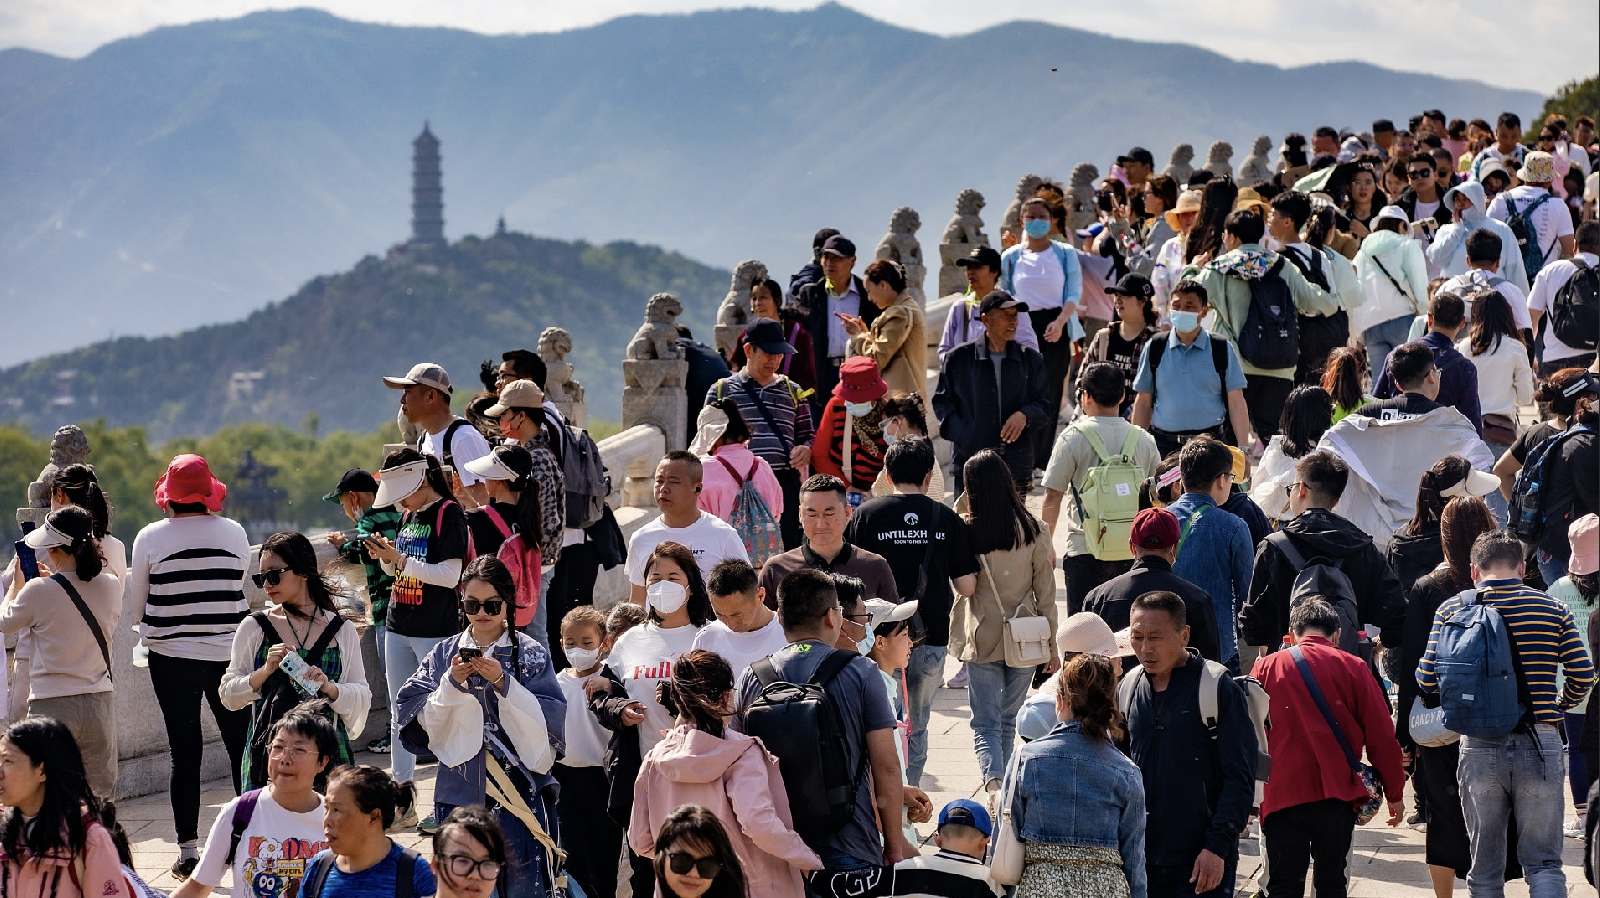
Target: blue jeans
point(1381, 338)
point(1519, 774)
point(922, 682)
point(1551, 568)
point(402, 658)
point(1498, 506)
point(996, 692)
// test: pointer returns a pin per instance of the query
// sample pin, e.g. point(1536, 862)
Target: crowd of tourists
point(1315, 551)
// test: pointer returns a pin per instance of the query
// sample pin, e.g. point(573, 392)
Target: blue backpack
point(1527, 234)
point(1527, 517)
point(1477, 671)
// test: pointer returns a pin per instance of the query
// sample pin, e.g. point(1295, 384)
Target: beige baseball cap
point(517, 394)
point(425, 374)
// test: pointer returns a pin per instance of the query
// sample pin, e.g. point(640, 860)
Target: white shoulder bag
point(1026, 639)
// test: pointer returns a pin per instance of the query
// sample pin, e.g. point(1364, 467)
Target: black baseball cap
point(1133, 285)
point(1137, 154)
point(981, 255)
point(767, 336)
point(839, 245)
point(354, 480)
point(1000, 299)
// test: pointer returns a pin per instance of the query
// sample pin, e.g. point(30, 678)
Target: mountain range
point(191, 175)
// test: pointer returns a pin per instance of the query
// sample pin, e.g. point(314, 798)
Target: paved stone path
point(1388, 863)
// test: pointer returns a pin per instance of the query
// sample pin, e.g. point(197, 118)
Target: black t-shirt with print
point(898, 527)
point(434, 534)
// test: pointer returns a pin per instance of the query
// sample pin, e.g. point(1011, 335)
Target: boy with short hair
point(593, 840)
point(957, 871)
point(356, 492)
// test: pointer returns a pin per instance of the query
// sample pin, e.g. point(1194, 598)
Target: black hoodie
point(1411, 557)
point(1319, 533)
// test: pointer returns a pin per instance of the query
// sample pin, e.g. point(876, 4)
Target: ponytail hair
point(530, 522)
point(1320, 225)
point(374, 790)
point(699, 681)
point(78, 524)
point(1088, 686)
point(78, 484)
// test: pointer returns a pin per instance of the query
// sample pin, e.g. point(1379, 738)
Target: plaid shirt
point(384, 522)
point(549, 480)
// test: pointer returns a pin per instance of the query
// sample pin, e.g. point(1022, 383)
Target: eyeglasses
point(297, 753)
point(1288, 489)
point(858, 618)
point(681, 861)
point(461, 865)
point(1420, 173)
point(487, 606)
point(270, 577)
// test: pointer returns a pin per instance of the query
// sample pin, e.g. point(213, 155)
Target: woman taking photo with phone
point(70, 616)
point(488, 706)
point(302, 621)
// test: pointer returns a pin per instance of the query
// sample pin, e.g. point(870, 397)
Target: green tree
point(1571, 100)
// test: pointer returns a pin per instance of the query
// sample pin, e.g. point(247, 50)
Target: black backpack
point(1575, 310)
point(1321, 577)
point(279, 696)
point(803, 725)
point(1270, 337)
point(1320, 335)
point(1522, 227)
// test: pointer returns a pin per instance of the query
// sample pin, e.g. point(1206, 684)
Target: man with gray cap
point(992, 394)
point(425, 402)
point(838, 293)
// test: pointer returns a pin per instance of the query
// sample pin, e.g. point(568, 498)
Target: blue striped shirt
point(1545, 640)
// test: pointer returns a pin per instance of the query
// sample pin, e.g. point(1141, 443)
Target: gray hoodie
point(1448, 252)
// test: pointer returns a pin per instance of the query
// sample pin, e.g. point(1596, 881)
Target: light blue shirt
point(848, 302)
point(1188, 393)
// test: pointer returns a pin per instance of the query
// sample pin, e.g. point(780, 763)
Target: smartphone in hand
point(468, 653)
point(27, 559)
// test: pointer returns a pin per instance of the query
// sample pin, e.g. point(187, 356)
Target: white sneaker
point(1574, 829)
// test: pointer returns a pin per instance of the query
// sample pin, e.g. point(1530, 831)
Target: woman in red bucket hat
point(850, 433)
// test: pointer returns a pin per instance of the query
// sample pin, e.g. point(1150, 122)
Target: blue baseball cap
point(967, 812)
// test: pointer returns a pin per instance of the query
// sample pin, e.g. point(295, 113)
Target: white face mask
point(665, 596)
point(858, 409)
point(583, 659)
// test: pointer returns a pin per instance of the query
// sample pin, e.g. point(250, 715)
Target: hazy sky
point(1534, 44)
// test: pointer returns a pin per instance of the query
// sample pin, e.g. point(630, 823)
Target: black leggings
point(180, 684)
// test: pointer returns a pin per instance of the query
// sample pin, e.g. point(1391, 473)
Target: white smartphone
point(299, 671)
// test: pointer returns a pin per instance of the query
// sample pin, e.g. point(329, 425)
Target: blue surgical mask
point(858, 409)
point(1184, 322)
point(889, 438)
point(864, 645)
point(1036, 227)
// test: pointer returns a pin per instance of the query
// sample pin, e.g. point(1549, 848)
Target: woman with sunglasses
point(488, 706)
point(695, 859)
point(301, 619)
point(469, 854)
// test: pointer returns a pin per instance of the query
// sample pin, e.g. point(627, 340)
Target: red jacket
point(1307, 764)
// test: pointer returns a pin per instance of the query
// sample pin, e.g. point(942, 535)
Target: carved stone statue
point(560, 386)
point(1217, 159)
point(410, 433)
point(1026, 187)
point(901, 245)
point(1178, 167)
point(964, 231)
point(657, 338)
point(734, 313)
point(1081, 210)
point(653, 374)
point(68, 446)
point(1256, 168)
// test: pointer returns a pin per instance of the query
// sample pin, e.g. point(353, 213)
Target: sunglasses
point(270, 577)
point(487, 606)
point(1420, 173)
point(681, 862)
point(461, 865)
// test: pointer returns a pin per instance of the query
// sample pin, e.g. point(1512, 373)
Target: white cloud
point(1534, 44)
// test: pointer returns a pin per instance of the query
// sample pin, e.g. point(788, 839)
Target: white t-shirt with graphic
point(710, 538)
point(641, 659)
point(272, 852)
point(741, 650)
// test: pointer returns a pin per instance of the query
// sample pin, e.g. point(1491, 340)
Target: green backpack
point(1108, 500)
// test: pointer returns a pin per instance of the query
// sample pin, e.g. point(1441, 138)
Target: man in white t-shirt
point(745, 630)
point(677, 489)
point(425, 402)
point(1484, 250)
point(1558, 355)
point(1552, 223)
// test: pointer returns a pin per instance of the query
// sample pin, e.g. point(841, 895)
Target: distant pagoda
point(427, 191)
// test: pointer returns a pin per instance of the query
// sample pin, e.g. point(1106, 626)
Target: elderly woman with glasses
point(487, 704)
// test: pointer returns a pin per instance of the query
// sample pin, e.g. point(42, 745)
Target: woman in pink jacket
point(701, 762)
point(51, 839)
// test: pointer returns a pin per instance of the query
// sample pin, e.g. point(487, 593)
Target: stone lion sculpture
point(69, 446)
point(657, 337)
point(735, 308)
point(1081, 210)
point(1217, 159)
point(1178, 167)
point(559, 385)
point(901, 245)
point(1027, 186)
point(965, 226)
point(1255, 167)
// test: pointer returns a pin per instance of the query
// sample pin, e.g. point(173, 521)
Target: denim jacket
point(1085, 793)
